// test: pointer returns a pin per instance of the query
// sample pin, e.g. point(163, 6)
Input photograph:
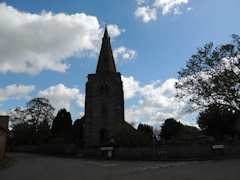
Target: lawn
point(5, 162)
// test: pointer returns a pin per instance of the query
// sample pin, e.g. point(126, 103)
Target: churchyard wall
point(169, 151)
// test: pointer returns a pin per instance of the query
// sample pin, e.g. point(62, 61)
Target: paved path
point(34, 167)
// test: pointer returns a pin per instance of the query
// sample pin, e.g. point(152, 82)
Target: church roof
point(106, 63)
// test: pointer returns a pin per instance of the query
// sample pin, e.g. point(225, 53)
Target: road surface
point(39, 167)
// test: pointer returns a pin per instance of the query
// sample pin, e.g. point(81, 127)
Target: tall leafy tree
point(32, 124)
point(218, 121)
point(212, 76)
point(78, 131)
point(39, 110)
point(62, 124)
point(148, 130)
point(170, 128)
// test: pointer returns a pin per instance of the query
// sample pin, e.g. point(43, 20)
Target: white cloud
point(157, 101)
point(80, 114)
point(146, 13)
point(130, 87)
point(139, 2)
point(16, 92)
point(2, 113)
point(124, 53)
point(30, 43)
point(60, 96)
point(177, 11)
point(114, 31)
point(189, 9)
point(80, 100)
point(168, 5)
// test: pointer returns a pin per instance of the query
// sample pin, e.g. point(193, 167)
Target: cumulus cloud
point(139, 2)
point(16, 92)
point(80, 100)
point(80, 114)
point(124, 54)
point(3, 113)
point(177, 11)
point(114, 31)
point(156, 101)
point(146, 14)
point(60, 96)
point(168, 5)
point(130, 87)
point(30, 43)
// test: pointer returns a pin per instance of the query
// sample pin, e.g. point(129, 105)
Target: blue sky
point(48, 47)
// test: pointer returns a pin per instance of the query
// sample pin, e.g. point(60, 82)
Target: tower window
point(104, 88)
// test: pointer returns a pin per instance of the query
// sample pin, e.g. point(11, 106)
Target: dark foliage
point(212, 76)
point(218, 121)
point(170, 128)
point(24, 134)
point(78, 131)
point(40, 110)
point(146, 129)
point(32, 125)
point(61, 124)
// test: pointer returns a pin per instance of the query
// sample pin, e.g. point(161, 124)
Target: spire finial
point(105, 23)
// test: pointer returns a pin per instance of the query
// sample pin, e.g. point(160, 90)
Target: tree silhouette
point(62, 124)
point(170, 128)
point(212, 76)
point(78, 131)
point(218, 121)
point(32, 124)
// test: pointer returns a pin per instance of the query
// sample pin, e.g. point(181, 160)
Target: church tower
point(104, 102)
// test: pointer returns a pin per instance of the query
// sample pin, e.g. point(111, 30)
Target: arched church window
point(104, 88)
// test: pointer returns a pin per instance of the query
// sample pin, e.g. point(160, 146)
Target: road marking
point(94, 163)
point(157, 166)
point(101, 164)
point(106, 165)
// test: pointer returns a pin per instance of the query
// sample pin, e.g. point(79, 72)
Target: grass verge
point(5, 162)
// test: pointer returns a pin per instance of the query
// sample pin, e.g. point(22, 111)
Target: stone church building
point(104, 101)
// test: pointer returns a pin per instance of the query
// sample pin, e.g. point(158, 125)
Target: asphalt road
point(34, 167)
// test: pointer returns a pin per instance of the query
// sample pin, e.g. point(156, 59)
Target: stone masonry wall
point(65, 150)
point(167, 151)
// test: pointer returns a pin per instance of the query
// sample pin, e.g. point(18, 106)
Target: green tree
point(39, 110)
point(145, 133)
point(218, 121)
point(170, 128)
point(43, 133)
point(78, 131)
point(62, 124)
point(212, 76)
point(24, 134)
point(32, 124)
point(145, 128)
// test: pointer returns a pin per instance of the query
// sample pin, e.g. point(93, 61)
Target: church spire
point(106, 62)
